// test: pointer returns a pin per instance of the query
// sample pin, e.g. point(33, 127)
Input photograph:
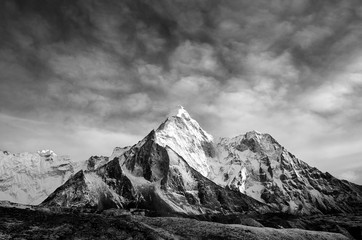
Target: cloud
point(338, 97)
point(137, 102)
point(291, 68)
point(328, 99)
point(311, 35)
point(189, 58)
point(192, 86)
point(64, 140)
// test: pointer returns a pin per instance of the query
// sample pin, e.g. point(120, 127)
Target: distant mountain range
point(179, 168)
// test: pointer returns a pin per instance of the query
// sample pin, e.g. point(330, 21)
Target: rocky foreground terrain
point(27, 223)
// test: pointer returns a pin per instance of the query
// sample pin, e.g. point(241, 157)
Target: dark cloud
point(280, 66)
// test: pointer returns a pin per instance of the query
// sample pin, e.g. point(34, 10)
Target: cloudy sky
point(81, 77)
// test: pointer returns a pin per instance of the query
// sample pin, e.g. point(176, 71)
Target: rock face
point(29, 178)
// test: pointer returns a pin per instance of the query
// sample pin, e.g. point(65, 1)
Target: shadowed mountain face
point(179, 168)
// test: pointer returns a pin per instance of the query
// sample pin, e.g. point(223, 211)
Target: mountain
point(257, 165)
point(152, 177)
point(180, 168)
point(29, 178)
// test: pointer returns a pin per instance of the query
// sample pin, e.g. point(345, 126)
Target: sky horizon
point(83, 77)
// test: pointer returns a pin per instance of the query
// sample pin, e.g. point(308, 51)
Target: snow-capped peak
point(185, 136)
